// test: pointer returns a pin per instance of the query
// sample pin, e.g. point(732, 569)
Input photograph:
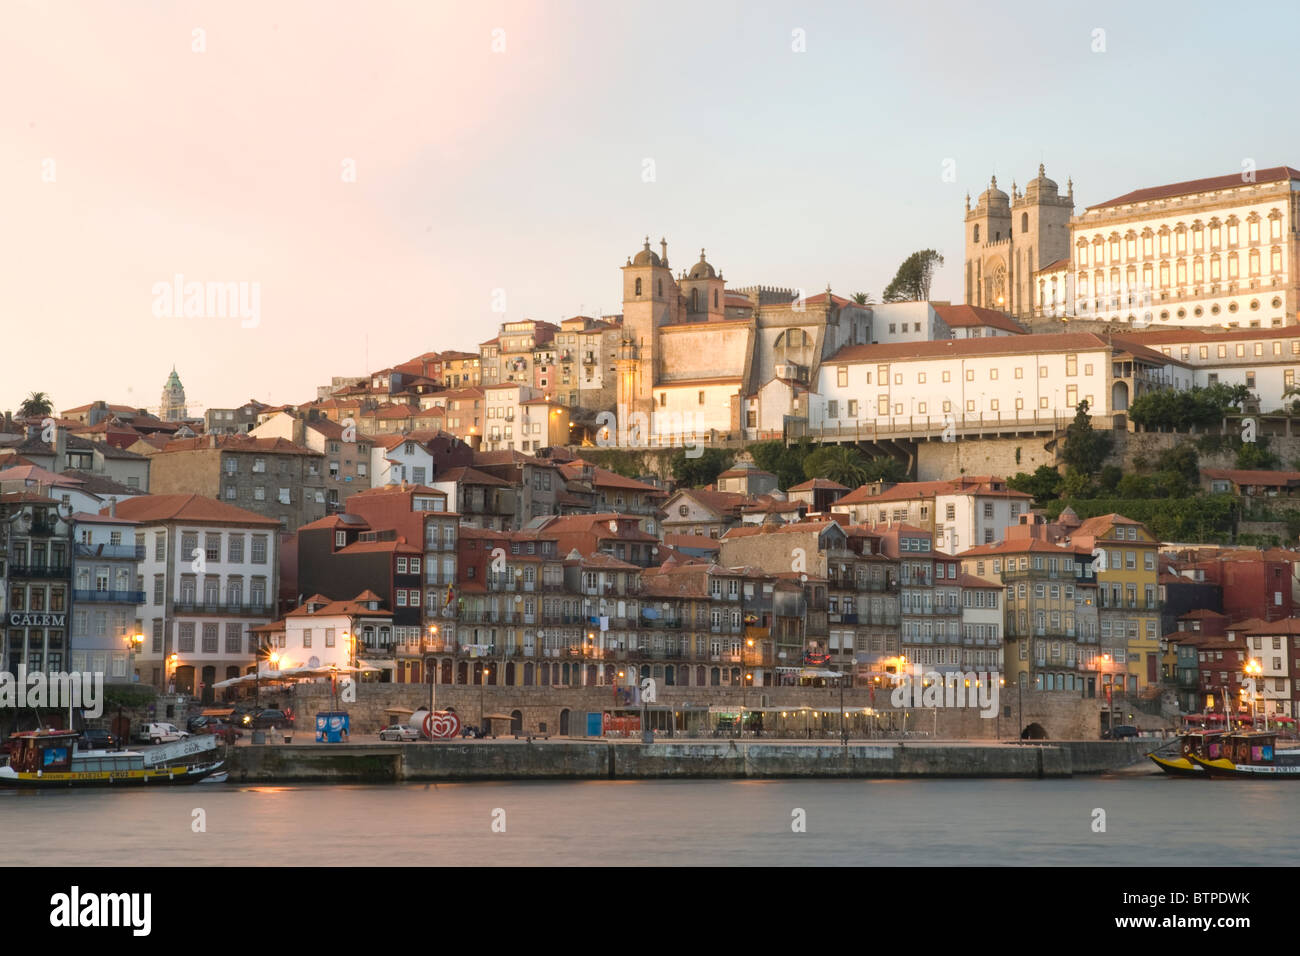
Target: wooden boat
point(1206, 743)
point(1252, 755)
point(50, 759)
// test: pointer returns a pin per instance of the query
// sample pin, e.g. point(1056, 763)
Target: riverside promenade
point(567, 759)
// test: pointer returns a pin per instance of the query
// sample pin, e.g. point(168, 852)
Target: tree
point(784, 461)
point(838, 463)
point(1255, 456)
point(1044, 484)
point(884, 468)
point(35, 405)
point(704, 470)
point(1085, 448)
point(912, 281)
point(862, 298)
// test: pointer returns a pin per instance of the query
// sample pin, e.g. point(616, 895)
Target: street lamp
point(428, 674)
point(134, 643)
point(1254, 669)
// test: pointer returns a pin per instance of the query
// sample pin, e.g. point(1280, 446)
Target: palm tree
point(862, 298)
point(36, 405)
point(840, 463)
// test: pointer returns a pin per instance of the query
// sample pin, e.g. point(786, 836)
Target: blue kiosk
point(332, 727)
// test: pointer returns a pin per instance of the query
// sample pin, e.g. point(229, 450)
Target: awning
point(217, 711)
point(498, 716)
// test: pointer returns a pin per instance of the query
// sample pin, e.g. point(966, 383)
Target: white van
point(160, 733)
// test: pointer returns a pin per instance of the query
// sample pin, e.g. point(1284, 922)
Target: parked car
point(241, 718)
point(399, 732)
point(1120, 732)
point(226, 731)
point(159, 733)
point(272, 718)
point(95, 739)
point(195, 725)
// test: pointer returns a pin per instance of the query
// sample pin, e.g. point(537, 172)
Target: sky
point(378, 178)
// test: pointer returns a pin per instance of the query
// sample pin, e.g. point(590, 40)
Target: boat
point(1252, 754)
point(49, 759)
point(1207, 743)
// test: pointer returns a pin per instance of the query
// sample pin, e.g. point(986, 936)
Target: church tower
point(172, 407)
point(650, 299)
point(703, 293)
point(1010, 238)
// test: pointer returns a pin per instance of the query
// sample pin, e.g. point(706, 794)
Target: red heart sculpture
point(441, 725)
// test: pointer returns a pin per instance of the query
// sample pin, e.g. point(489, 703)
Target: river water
point(1149, 820)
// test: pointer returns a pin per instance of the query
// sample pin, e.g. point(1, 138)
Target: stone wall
point(937, 460)
point(596, 760)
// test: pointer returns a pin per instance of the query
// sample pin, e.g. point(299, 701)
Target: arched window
point(977, 233)
point(1024, 222)
point(695, 300)
point(638, 286)
point(661, 287)
point(715, 298)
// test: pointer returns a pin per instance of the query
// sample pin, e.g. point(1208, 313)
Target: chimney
point(60, 448)
point(112, 507)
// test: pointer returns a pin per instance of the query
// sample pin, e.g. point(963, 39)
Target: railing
point(39, 570)
point(183, 606)
point(110, 597)
point(932, 425)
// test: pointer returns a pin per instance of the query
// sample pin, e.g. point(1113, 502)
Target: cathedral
point(1009, 238)
point(172, 407)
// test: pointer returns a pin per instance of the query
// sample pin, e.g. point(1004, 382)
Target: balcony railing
point(184, 606)
point(39, 570)
point(109, 597)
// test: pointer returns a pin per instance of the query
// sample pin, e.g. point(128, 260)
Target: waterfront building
point(107, 594)
point(210, 574)
point(36, 554)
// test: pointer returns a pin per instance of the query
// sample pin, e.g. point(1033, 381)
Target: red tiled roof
point(970, 316)
point(1056, 266)
point(195, 509)
point(818, 484)
point(1215, 183)
point(371, 547)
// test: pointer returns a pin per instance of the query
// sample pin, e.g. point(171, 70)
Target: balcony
point(190, 606)
point(17, 570)
point(109, 597)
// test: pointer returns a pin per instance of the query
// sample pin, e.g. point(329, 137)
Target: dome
point(1042, 184)
point(993, 196)
point(702, 269)
point(646, 257)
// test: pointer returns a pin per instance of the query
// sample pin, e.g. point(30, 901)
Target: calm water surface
point(1150, 820)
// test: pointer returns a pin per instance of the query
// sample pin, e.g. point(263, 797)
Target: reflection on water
point(1149, 821)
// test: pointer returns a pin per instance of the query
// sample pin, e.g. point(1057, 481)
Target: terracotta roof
point(332, 522)
point(911, 490)
point(1215, 183)
point(604, 478)
point(1056, 266)
point(1290, 625)
point(371, 547)
point(1193, 336)
point(337, 608)
point(1023, 546)
point(1201, 614)
point(818, 484)
point(470, 476)
point(718, 501)
point(970, 316)
point(192, 509)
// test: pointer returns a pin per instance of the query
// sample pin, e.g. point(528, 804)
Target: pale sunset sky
point(128, 156)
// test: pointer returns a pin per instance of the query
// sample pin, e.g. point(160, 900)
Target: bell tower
point(650, 299)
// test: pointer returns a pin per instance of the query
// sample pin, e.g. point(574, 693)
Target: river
point(1149, 820)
